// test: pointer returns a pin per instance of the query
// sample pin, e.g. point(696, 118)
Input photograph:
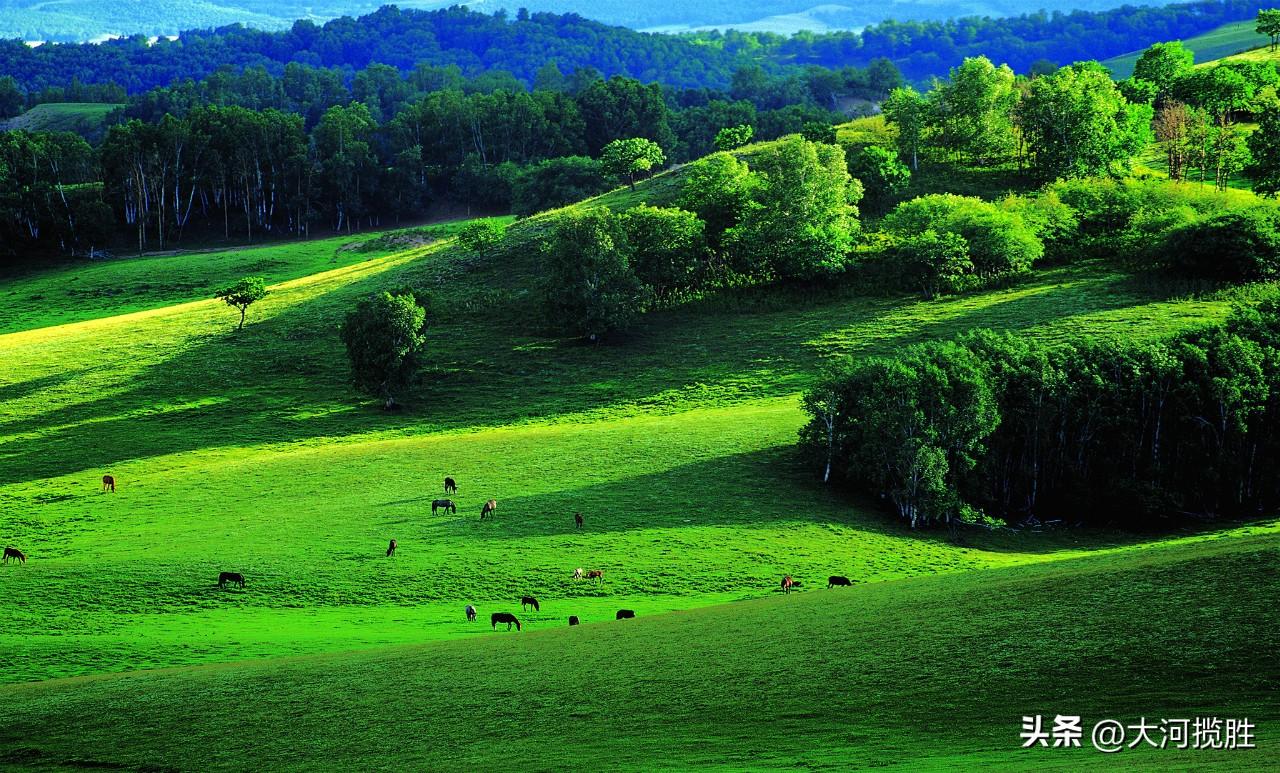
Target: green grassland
point(1223, 42)
point(248, 451)
point(87, 119)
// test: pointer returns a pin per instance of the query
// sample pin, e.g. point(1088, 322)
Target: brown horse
point(15, 554)
point(530, 601)
point(787, 584)
point(488, 509)
point(447, 504)
point(504, 617)
point(233, 578)
point(596, 574)
point(625, 614)
point(836, 579)
point(577, 520)
point(108, 483)
point(450, 487)
point(391, 549)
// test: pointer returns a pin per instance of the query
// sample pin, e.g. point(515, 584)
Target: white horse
point(577, 573)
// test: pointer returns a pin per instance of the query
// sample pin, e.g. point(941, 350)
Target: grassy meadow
point(248, 451)
point(1221, 43)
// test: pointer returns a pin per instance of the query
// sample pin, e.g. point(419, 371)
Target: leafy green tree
point(481, 237)
point(1221, 90)
point(668, 247)
point(734, 137)
point(556, 182)
point(1078, 124)
point(1001, 243)
point(1269, 25)
point(934, 263)
point(589, 286)
point(974, 110)
point(819, 131)
point(627, 158)
point(623, 107)
point(910, 112)
point(883, 176)
point(1235, 246)
point(243, 294)
point(1163, 64)
point(1264, 147)
point(12, 99)
point(385, 336)
point(718, 189)
point(801, 221)
point(343, 141)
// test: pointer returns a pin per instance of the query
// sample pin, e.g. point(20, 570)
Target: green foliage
point(1162, 65)
point(243, 294)
point(1269, 25)
point(667, 246)
point(1264, 148)
point(819, 131)
point(481, 237)
point(556, 182)
point(733, 137)
point(908, 110)
point(882, 175)
point(973, 110)
point(718, 189)
point(385, 337)
point(933, 263)
point(1000, 243)
point(12, 99)
point(628, 158)
point(801, 221)
point(1234, 246)
point(1079, 125)
point(589, 286)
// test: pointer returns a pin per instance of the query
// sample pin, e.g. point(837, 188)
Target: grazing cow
point(488, 509)
point(504, 617)
point(108, 483)
point(787, 583)
point(234, 578)
point(596, 574)
point(577, 573)
point(836, 579)
point(446, 504)
point(577, 520)
point(471, 614)
point(15, 554)
point(530, 601)
point(573, 619)
point(450, 487)
point(391, 549)
point(625, 614)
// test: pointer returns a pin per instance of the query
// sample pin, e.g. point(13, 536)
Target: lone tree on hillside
point(244, 294)
point(385, 337)
point(734, 137)
point(627, 158)
point(1269, 25)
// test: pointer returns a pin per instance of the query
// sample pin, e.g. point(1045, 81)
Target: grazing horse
point(530, 601)
point(504, 617)
point(836, 579)
point(391, 549)
point(624, 614)
point(596, 574)
point(488, 509)
point(577, 520)
point(573, 619)
point(577, 573)
point(787, 584)
point(234, 578)
point(450, 487)
point(15, 554)
point(447, 504)
point(471, 614)
point(108, 483)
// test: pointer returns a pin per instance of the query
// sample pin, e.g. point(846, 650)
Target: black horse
point(504, 617)
point(233, 578)
point(625, 614)
point(530, 601)
point(391, 549)
point(447, 504)
point(450, 487)
point(573, 619)
point(471, 614)
point(836, 579)
point(577, 520)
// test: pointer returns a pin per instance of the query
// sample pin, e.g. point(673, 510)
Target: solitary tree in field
point(244, 294)
point(1269, 25)
point(627, 158)
point(733, 137)
point(385, 336)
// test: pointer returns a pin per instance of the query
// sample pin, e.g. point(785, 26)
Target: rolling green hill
point(248, 451)
point(1225, 41)
point(88, 119)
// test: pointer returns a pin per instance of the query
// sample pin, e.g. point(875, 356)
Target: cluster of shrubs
point(995, 427)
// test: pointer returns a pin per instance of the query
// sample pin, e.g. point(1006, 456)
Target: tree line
point(999, 427)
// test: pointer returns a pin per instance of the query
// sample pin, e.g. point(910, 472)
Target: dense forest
point(522, 44)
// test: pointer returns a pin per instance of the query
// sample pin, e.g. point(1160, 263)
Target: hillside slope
point(1221, 43)
point(935, 672)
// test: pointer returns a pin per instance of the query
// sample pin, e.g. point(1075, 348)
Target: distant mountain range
point(82, 20)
